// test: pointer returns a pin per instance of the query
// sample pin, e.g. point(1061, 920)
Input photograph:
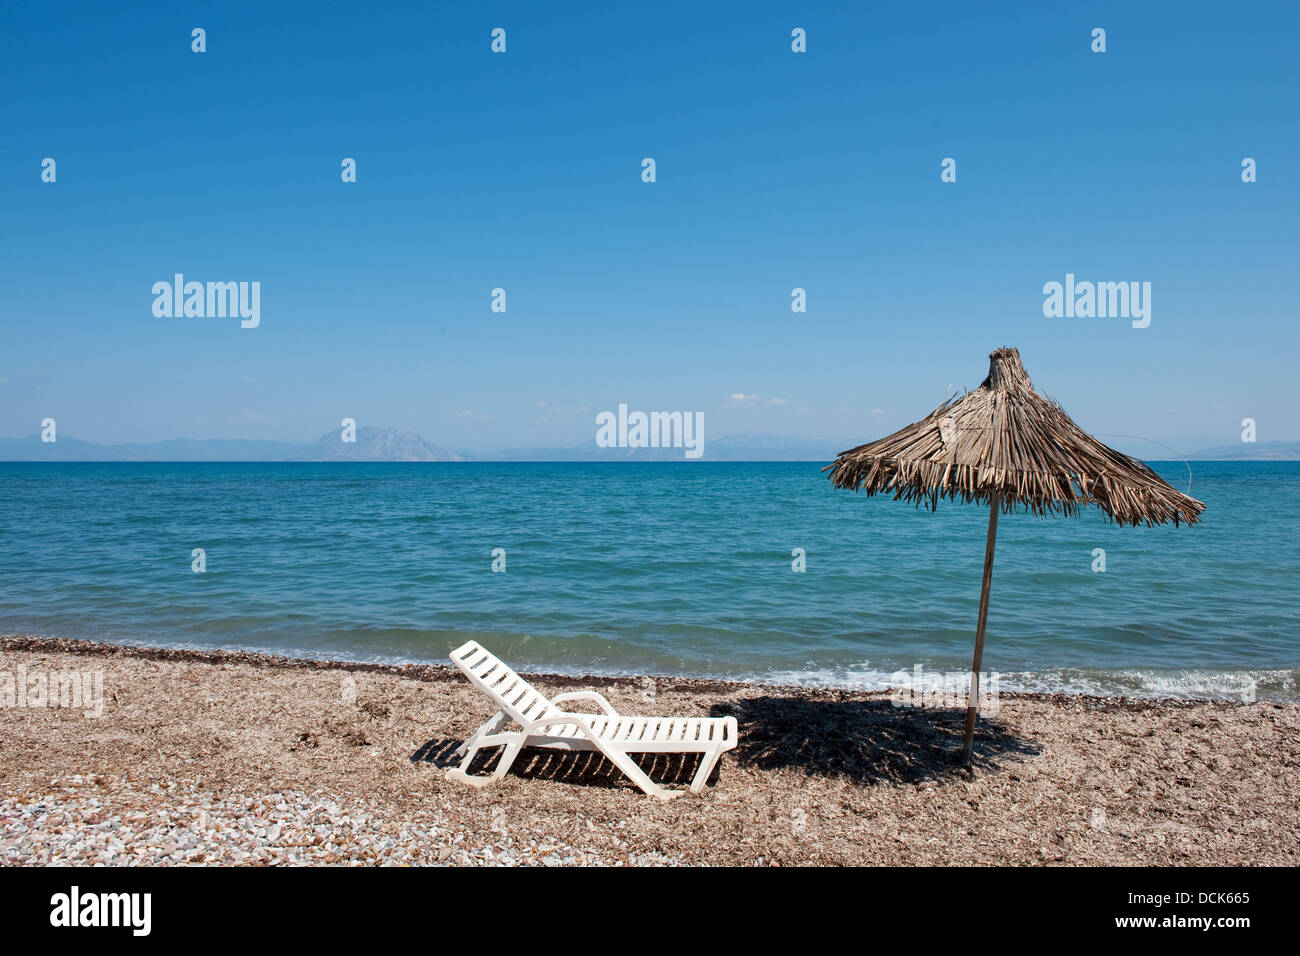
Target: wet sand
point(219, 758)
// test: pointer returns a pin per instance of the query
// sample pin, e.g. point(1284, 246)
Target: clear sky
point(522, 170)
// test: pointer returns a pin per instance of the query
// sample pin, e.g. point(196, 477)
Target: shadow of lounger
point(584, 768)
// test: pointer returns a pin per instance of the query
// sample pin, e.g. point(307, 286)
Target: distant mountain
point(589, 451)
point(729, 448)
point(373, 444)
point(746, 447)
point(1250, 451)
point(399, 444)
point(31, 448)
point(205, 449)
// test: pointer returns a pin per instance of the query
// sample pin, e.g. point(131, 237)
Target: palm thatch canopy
point(1004, 442)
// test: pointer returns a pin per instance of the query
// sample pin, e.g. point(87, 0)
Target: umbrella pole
point(972, 709)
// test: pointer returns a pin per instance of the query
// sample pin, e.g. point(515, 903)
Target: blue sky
point(523, 171)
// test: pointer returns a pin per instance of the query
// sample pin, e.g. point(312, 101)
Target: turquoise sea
point(663, 568)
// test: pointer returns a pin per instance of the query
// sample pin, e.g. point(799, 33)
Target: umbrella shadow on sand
point(866, 741)
point(583, 768)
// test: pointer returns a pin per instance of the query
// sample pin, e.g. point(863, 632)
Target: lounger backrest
point(509, 691)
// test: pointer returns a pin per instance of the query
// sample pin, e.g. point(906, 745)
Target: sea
point(748, 571)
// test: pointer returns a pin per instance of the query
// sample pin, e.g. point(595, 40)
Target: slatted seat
point(544, 723)
point(653, 734)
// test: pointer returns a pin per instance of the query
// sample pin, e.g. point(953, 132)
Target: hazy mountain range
point(399, 444)
point(730, 448)
point(372, 444)
point(1250, 451)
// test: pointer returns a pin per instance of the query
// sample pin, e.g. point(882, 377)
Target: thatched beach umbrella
point(1006, 445)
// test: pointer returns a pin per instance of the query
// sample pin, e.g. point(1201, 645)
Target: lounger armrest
point(533, 726)
point(588, 694)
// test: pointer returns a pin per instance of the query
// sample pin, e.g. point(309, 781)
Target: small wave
point(1187, 684)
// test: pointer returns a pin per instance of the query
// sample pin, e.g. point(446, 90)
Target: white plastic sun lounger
point(544, 724)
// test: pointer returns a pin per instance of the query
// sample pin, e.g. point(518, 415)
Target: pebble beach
point(214, 758)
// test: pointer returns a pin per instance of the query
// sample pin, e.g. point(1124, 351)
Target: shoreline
point(442, 672)
point(231, 758)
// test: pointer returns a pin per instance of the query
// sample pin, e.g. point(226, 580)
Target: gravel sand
point(232, 758)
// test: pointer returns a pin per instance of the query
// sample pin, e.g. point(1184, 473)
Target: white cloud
point(752, 399)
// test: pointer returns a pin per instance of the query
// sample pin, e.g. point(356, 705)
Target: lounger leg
point(637, 775)
point(491, 726)
point(512, 743)
point(461, 773)
point(508, 757)
point(707, 762)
